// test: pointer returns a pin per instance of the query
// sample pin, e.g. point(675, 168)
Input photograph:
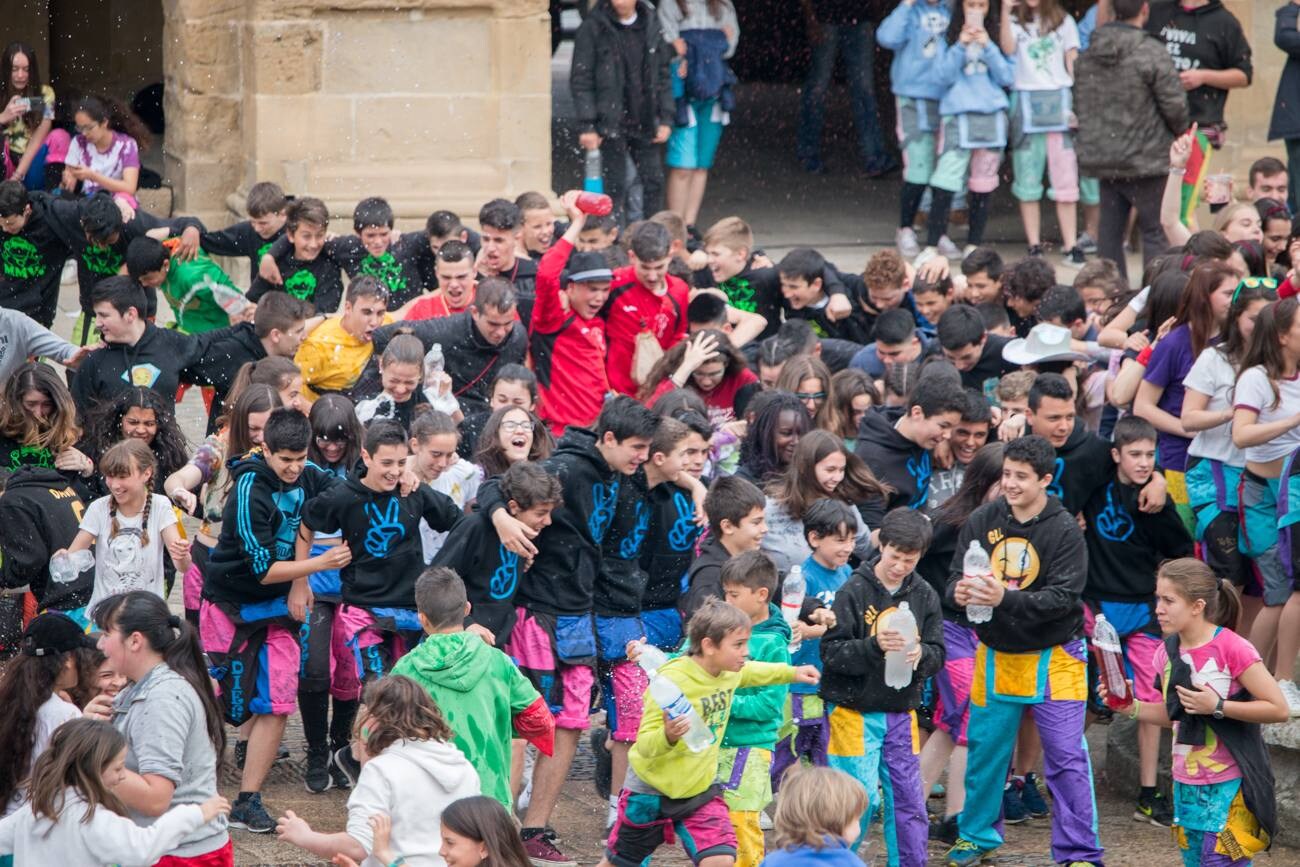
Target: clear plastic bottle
point(593, 174)
point(792, 596)
point(434, 363)
point(898, 671)
point(1110, 659)
point(66, 566)
point(670, 697)
point(976, 565)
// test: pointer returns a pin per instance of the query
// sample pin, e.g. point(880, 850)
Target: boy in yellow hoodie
point(670, 788)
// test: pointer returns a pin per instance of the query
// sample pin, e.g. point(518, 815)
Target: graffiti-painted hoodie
point(563, 576)
point(1125, 545)
point(895, 460)
point(490, 572)
point(622, 579)
point(383, 531)
point(669, 548)
point(915, 32)
point(259, 527)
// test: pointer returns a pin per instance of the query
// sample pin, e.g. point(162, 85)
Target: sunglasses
point(1253, 283)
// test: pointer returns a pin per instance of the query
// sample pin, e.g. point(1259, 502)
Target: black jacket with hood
point(563, 575)
point(40, 512)
point(894, 459)
point(1206, 37)
point(220, 362)
point(853, 665)
point(382, 529)
point(1043, 562)
point(598, 79)
point(1083, 465)
point(705, 577)
point(155, 361)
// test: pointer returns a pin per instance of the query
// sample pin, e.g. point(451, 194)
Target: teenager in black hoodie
point(734, 508)
point(39, 514)
point(879, 752)
point(32, 255)
point(896, 444)
point(554, 639)
point(1031, 653)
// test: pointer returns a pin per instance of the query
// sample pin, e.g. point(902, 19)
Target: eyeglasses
point(84, 128)
point(810, 395)
point(513, 426)
point(1253, 283)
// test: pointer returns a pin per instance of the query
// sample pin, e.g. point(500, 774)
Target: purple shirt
point(1170, 361)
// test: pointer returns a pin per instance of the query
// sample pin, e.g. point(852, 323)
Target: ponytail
point(1194, 581)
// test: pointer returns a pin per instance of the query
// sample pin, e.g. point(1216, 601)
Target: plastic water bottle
point(66, 566)
point(670, 697)
point(792, 596)
point(976, 564)
point(898, 671)
point(1110, 659)
point(434, 362)
point(593, 175)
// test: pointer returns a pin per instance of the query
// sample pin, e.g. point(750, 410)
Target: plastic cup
point(1218, 189)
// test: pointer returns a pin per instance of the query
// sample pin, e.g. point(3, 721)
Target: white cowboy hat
point(1044, 343)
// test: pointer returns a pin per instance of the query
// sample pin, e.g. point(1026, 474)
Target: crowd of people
point(780, 531)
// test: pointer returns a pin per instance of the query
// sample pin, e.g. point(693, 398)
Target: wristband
point(1144, 357)
point(1174, 170)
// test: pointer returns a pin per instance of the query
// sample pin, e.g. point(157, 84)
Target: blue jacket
point(917, 36)
point(834, 854)
point(975, 87)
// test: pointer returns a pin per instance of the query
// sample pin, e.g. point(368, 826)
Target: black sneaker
point(317, 776)
point(1075, 256)
point(1013, 809)
point(604, 763)
point(1154, 809)
point(1032, 797)
point(944, 830)
point(249, 815)
point(1035, 251)
point(338, 777)
point(346, 764)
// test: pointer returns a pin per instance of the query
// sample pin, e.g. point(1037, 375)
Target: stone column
point(429, 103)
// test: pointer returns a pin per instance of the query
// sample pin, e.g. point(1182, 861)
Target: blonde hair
point(732, 233)
point(1015, 385)
point(1228, 214)
point(817, 803)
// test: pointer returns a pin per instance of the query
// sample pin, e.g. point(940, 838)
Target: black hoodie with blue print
point(894, 459)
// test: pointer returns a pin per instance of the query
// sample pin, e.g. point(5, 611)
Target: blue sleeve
point(1001, 68)
point(894, 30)
point(951, 63)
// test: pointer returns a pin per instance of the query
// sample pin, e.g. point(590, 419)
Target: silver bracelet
point(1175, 170)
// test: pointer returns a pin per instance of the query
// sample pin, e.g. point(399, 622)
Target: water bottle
point(898, 671)
point(1110, 659)
point(593, 176)
point(434, 363)
point(976, 564)
point(792, 596)
point(66, 566)
point(670, 697)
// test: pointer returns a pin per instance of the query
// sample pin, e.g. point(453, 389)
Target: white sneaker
point(948, 249)
point(925, 256)
point(1292, 695)
point(612, 816)
point(968, 249)
point(69, 274)
point(908, 246)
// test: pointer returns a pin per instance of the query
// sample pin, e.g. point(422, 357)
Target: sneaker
point(317, 776)
point(338, 777)
point(964, 853)
point(1032, 797)
point(1013, 809)
point(1292, 695)
point(1087, 244)
point(1035, 251)
point(603, 778)
point(925, 256)
point(249, 815)
point(1074, 255)
point(905, 241)
point(948, 249)
point(542, 851)
point(347, 764)
point(612, 816)
point(69, 274)
point(967, 250)
point(1154, 809)
point(944, 830)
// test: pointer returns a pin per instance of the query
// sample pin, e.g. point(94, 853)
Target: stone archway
point(429, 103)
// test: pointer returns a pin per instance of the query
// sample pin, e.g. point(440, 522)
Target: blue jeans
point(857, 42)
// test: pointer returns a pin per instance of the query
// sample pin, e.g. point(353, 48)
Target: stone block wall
point(1249, 109)
point(429, 103)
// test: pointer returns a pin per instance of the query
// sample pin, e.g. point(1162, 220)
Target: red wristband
point(1144, 357)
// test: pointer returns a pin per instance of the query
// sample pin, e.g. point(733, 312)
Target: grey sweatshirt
point(22, 336)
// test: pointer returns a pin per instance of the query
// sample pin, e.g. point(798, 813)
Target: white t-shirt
point(52, 713)
point(459, 481)
point(1255, 393)
point(120, 563)
point(1040, 60)
point(1212, 375)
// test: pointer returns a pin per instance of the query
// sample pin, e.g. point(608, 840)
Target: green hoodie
point(757, 711)
point(479, 691)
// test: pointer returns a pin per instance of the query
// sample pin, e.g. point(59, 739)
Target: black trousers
point(1118, 197)
point(649, 161)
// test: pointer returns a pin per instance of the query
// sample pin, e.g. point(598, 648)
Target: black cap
point(587, 267)
point(51, 633)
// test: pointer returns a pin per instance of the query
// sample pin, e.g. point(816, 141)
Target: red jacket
point(631, 309)
point(568, 351)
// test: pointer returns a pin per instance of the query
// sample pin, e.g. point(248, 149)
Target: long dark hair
point(982, 473)
point(758, 454)
point(56, 433)
point(80, 751)
point(672, 359)
point(120, 118)
point(1195, 310)
point(492, 458)
point(27, 684)
point(169, 446)
point(254, 398)
point(485, 821)
point(1265, 348)
point(1163, 301)
point(1232, 343)
point(173, 637)
point(958, 20)
point(796, 489)
point(334, 417)
point(33, 118)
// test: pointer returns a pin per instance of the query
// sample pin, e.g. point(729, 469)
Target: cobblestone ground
point(580, 814)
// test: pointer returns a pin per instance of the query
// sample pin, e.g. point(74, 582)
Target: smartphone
point(974, 20)
point(35, 103)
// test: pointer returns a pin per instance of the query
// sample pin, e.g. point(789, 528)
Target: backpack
point(706, 71)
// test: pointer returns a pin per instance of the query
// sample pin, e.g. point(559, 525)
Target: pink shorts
point(627, 685)
point(255, 664)
point(362, 651)
point(647, 821)
point(531, 648)
point(192, 588)
point(1139, 653)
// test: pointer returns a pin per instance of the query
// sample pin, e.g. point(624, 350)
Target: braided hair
point(123, 459)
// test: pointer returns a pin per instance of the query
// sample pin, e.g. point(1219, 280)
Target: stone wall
point(429, 103)
point(1249, 109)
